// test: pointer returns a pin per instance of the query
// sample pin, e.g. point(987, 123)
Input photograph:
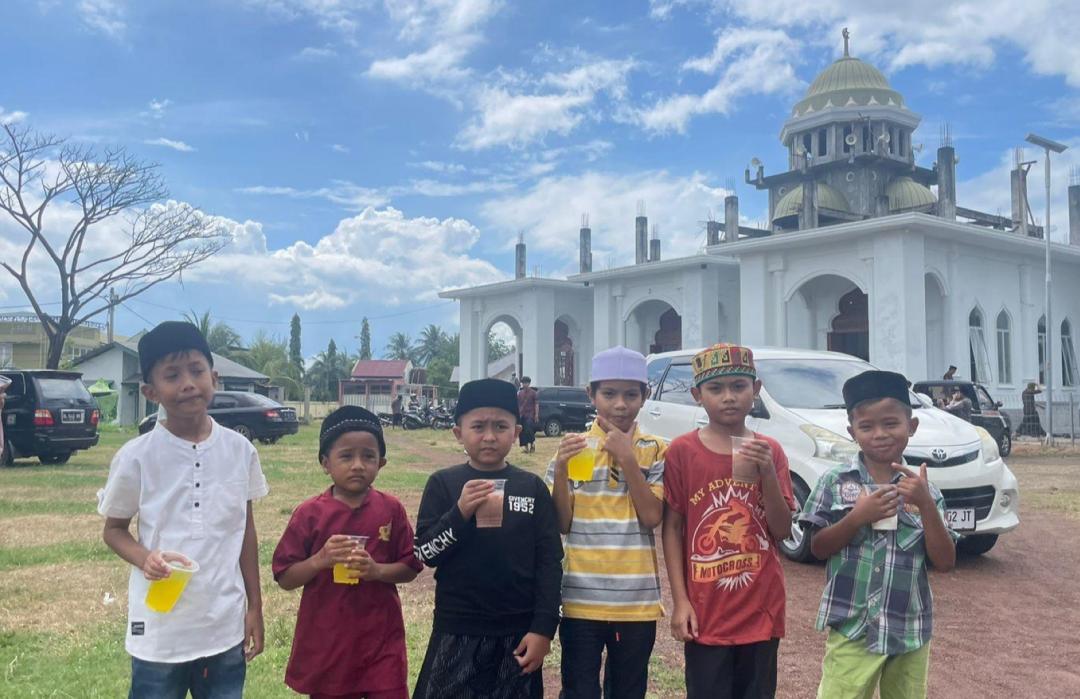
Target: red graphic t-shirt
point(733, 574)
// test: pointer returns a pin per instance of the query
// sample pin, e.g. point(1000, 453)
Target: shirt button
point(197, 464)
point(196, 484)
point(878, 569)
point(196, 504)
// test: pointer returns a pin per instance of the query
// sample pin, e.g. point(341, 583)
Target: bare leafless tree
point(160, 239)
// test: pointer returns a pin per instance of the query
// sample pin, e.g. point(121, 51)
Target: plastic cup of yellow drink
point(343, 574)
point(742, 472)
point(163, 594)
point(581, 465)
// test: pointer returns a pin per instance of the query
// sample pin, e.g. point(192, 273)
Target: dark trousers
point(218, 676)
point(626, 672)
point(528, 432)
point(475, 667)
point(731, 672)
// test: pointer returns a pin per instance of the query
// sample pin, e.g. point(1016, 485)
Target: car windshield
point(62, 388)
point(811, 384)
point(261, 400)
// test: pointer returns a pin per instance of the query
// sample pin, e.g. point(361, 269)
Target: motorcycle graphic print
point(727, 547)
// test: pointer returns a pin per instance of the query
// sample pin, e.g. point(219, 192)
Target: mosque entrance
point(850, 330)
point(653, 326)
point(669, 336)
point(564, 355)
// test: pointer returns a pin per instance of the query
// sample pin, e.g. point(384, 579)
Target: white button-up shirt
point(191, 498)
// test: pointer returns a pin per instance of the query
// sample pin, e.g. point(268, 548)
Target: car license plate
point(961, 519)
point(71, 417)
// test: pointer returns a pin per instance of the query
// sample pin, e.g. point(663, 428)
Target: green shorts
point(850, 671)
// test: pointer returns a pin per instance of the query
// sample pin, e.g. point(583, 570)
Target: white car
point(802, 407)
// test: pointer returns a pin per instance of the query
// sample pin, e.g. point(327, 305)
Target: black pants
point(528, 432)
point(731, 672)
point(475, 667)
point(626, 673)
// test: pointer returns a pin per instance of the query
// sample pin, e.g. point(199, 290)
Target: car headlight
point(830, 445)
point(988, 444)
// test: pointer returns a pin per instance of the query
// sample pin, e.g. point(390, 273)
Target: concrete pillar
point(712, 232)
point(519, 260)
point(897, 304)
point(808, 216)
point(1074, 215)
point(753, 300)
point(731, 218)
point(585, 250)
point(654, 250)
point(881, 205)
point(946, 172)
point(539, 338)
point(641, 240)
point(1018, 190)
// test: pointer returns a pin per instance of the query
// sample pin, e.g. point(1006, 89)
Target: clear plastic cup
point(490, 513)
point(888, 523)
point(162, 595)
point(343, 574)
point(581, 465)
point(739, 470)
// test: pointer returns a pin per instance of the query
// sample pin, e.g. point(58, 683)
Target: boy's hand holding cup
point(750, 458)
point(571, 445)
point(878, 503)
point(336, 550)
point(473, 494)
point(156, 565)
point(915, 487)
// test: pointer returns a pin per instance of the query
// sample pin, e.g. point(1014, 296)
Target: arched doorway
point(935, 327)
point(850, 330)
point(564, 355)
point(653, 326)
point(502, 354)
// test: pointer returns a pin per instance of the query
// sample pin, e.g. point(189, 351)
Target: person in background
point(396, 409)
point(960, 405)
point(1030, 425)
point(529, 414)
point(950, 375)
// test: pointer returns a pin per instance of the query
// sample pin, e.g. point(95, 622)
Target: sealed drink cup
point(888, 523)
point(163, 594)
point(581, 465)
point(490, 513)
point(739, 470)
point(343, 574)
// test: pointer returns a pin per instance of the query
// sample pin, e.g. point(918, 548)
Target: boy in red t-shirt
point(350, 636)
point(720, 533)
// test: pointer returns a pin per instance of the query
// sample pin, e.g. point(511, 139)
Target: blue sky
point(365, 155)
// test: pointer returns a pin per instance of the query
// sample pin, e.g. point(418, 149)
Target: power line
point(144, 319)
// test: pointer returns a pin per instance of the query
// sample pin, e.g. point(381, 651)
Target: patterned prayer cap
point(723, 359)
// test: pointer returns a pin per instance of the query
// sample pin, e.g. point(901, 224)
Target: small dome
point(827, 198)
point(905, 194)
point(848, 82)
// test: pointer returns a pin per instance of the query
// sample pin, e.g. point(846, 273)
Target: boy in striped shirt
point(611, 583)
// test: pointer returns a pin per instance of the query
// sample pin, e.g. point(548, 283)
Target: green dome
point(827, 198)
point(906, 194)
point(848, 82)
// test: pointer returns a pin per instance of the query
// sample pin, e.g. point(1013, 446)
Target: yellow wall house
point(23, 344)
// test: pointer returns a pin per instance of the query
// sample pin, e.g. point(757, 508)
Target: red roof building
point(374, 383)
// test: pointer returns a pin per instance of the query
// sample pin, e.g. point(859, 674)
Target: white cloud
point(345, 16)
point(158, 107)
point(549, 212)
point(339, 148)
point(104, 16)
point(170, 143)
point(346, 194)
point(12, 117)
point(748, 61)
point(315, 53)
point(440, 167)
point(379, 253)
point(509, 116)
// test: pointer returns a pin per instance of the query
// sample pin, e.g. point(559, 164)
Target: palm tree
point(221, 337)
point(399, 347)
point(431, 344)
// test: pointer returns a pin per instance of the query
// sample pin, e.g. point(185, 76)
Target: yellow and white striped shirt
point(610, 571)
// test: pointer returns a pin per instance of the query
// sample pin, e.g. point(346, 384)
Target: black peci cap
point(487, 393)
point(874, 385)
point(349, 418)
point(168, 338)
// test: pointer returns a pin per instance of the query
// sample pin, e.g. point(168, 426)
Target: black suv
point(563, 408)
point(250, 414)
point(48, 414)
point(984, 409)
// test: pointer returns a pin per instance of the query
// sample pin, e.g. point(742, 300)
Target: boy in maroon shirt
point(725, 512)
point(350, 637)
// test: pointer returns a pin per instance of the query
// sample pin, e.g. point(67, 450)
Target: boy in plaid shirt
point(877, 602)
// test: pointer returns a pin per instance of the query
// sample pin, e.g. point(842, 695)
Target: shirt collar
point(163, 432)
point(857, 466)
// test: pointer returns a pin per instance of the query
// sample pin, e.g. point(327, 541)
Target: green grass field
point(63, 593)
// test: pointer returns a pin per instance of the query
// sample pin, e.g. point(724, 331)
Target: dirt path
point(1005, 623)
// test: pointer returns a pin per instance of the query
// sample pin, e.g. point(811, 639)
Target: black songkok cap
point(874, 385)
point(349, 418)
point(487, 393)
point(168, 338)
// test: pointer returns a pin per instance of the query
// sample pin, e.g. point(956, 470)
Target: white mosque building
point(867, 253)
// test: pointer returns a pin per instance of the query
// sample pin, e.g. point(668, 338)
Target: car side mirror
point(998, 404)
point(759, 410)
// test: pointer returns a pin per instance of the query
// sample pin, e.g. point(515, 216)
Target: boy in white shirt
point(191, 483)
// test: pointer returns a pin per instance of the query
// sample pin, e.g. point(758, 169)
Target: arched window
point(1004, 347)
point(979, 357)
point(822, 142)
point(1068, 355)
point(1042, 350)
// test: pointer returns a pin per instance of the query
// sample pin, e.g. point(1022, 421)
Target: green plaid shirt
point(876, 587)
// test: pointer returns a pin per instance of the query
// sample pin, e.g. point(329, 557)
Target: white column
point(539, 337)
point(753, 301)
point(897, 305)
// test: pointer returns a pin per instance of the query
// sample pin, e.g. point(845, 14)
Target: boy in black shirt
point(496, 588)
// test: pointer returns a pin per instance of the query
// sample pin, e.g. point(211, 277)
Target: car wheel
point(552, 428)
point(977, 544)
point(797, 546)
point(61, 458)
point(7, 454)
point(1005, 443)
point(244, 431)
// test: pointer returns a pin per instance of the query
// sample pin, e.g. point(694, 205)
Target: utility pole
point(112, 313)
point(1047, 145)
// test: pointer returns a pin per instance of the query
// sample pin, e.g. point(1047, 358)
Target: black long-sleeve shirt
point(492, 581)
